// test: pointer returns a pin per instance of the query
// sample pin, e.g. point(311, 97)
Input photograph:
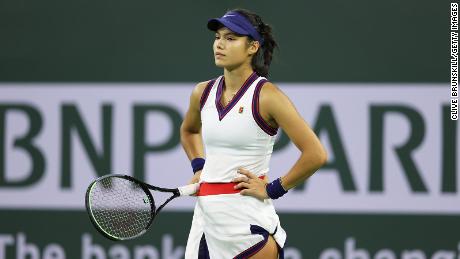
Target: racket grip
point(188, 190)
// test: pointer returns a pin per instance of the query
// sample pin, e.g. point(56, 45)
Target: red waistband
point(218, 188)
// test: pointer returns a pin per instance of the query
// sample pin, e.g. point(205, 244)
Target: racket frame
point(145, 187)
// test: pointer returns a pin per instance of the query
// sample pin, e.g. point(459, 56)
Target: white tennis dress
point(233, 225)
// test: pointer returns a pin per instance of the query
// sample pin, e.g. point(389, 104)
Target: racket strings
point(120, 207)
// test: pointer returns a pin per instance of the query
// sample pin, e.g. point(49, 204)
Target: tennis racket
point(122, 207)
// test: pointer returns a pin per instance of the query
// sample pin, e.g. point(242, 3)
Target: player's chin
point(227, 65)
point(219, 63)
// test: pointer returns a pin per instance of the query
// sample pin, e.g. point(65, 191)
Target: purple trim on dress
point(224, 110)
point(203, 251)
point(205, 94)
point(256, 248)
point(255, 111)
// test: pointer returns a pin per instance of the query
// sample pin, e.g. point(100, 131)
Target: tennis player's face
point(231, 50)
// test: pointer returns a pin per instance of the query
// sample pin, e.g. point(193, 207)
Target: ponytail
point(262, 59)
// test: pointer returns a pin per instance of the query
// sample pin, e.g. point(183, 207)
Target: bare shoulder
point(272, 95)
point(197, 92)
point(276, 106)
point(199, 88)
point(271, 101)
point(270, 87)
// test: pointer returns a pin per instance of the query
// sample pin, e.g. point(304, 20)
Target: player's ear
point(253, 47)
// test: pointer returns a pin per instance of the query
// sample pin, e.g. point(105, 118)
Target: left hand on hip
point(251, 185)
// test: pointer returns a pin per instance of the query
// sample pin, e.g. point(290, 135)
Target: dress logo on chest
point(224, 110)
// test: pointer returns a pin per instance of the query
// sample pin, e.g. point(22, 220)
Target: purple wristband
point(197, 164)
point(275, 189)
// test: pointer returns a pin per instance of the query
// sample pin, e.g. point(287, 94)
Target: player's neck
point(235, 78)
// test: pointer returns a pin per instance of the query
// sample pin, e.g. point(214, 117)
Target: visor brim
point(216, 23)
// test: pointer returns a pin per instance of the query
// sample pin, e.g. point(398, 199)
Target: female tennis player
point(235, 118)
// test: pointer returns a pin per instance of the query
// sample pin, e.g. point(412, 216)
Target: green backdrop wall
point(320, 41)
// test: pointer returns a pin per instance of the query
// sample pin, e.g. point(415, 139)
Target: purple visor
point(237, 23)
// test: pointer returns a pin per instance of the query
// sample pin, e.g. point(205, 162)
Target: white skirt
point(232, 224)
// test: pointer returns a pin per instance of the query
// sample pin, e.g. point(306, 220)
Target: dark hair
point(262, 59)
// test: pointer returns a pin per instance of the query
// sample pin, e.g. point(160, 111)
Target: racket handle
point(188, 190)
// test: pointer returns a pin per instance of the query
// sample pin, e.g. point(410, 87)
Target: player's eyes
point(227, 38)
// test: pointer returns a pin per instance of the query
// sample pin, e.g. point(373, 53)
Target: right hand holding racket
point(196, 177)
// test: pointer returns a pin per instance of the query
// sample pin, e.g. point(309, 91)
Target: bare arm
point(278, 110)
point(277, 107)
point(190, 130)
